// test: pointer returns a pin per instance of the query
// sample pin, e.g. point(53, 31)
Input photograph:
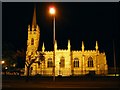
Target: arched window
point(32, 41)
point(49, 63)
point(62, 62)
point(76, 62)
point(90, 62)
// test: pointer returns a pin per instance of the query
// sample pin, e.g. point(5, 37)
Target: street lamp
point(114, 58)
point(52, 12)
point(3, 62)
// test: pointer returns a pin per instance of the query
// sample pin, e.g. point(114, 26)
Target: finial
point(96, 45)
point(69, 44)
point(83, 46)
point(43, 47)
point(55, 44)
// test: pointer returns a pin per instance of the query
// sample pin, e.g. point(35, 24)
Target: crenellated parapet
point(90, 51)
point(63, 50)
point(49, 52)
point(103, 53)
point(76, 51)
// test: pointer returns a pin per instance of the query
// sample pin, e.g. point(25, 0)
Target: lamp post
point(114, 58)
point(52, 12)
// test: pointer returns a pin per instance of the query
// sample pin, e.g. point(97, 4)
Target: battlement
point(48, 51)
point(90, 51)
point(63, 50)
point(76, 51)
point(103, 53)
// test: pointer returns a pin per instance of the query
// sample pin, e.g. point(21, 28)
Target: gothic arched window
point(32, 41)
point(90, 62)
point(49, 63)
point(76, 62)
point(62, 62)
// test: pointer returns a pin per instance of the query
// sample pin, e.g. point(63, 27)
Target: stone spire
point(34, 22)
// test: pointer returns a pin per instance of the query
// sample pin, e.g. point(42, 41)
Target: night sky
point(76, 21)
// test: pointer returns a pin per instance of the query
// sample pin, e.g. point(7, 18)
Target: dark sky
point(75, 21)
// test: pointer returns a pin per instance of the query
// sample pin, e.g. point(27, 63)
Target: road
point(83, 84)
point(93, 83)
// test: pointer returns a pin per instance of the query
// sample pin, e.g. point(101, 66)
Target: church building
point(67, 62)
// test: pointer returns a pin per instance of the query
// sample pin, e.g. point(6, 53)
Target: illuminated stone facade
point(67, 62)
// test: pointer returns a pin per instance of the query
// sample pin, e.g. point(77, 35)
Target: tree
point(32, 59)
point(8, 54)
point(14, 59)
point(20, 56)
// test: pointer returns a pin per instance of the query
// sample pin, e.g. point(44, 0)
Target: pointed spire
point(43, 47)
point(96, 45)
point(83, 46)
point(69, 44)
point(34, 23)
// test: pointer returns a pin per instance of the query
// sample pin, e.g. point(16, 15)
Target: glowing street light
point(3, 62)
point(6, 67)
point(52, 12)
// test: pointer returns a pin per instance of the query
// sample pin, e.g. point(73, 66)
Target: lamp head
point(3, 62)
point(52, 10)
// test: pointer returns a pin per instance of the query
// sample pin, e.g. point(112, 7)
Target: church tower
point(33, 40)
point(33, 35)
